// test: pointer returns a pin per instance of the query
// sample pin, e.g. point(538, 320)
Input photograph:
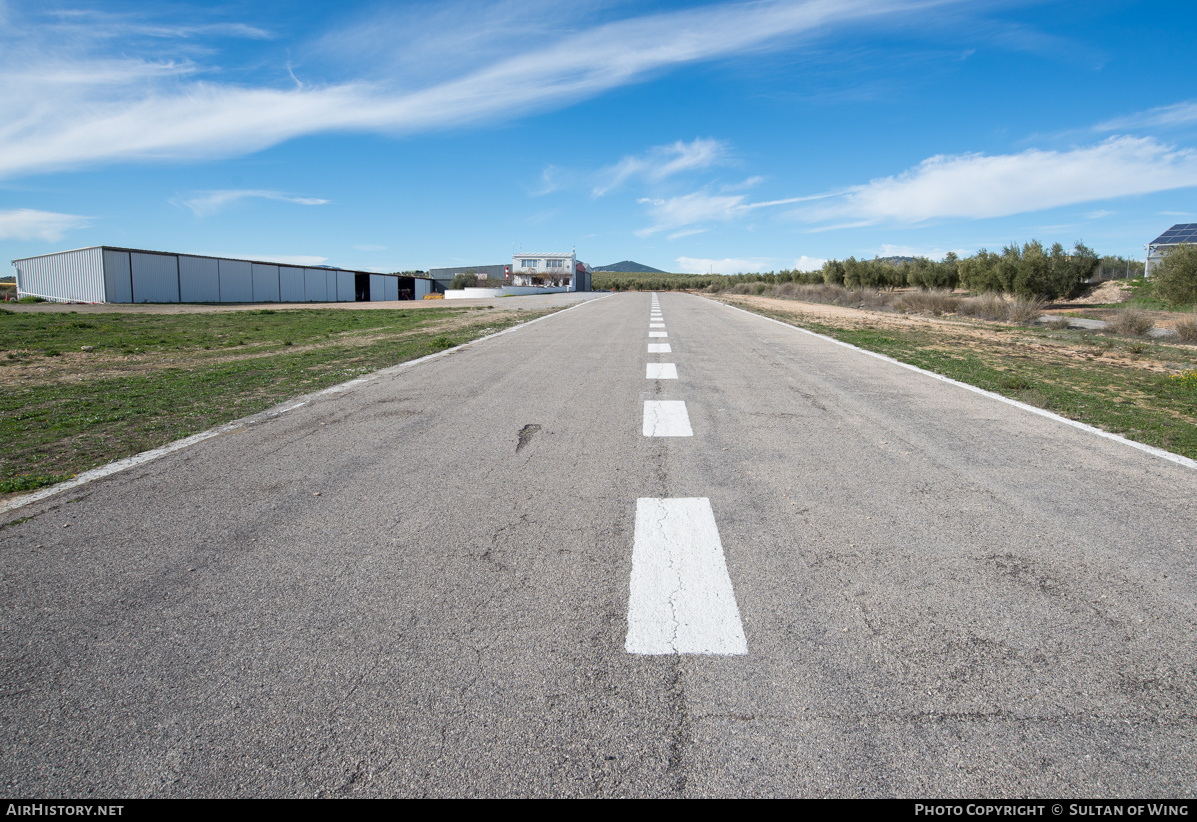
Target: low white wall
point(505, 291)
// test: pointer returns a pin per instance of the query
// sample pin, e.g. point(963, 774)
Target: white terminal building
point(550, 270)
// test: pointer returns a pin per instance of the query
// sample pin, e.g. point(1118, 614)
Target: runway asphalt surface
point(508, 571)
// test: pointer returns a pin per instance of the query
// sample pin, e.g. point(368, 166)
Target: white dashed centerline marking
point(659, 348)
point(666, 418)
point(658, 333)
point(660, 371)
point(656, 325)
point(681, 599)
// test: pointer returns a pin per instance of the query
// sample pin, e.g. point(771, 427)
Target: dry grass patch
point(1186, 329)
point(1131, 322)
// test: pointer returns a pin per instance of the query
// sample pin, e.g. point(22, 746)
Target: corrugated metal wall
point(346, 291)
point(74, 276)
point(155, 277)
point(199, 279)
point(118, 280)
point(290, 284)
point(125, 276)
point(236, 282)
point(265, 283)
point(315, 285)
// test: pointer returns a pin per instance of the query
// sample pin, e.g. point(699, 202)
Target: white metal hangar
point(105, 274)
point(1158, 248)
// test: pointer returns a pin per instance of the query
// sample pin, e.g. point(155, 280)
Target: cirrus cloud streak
point(31, 224)
point(979, 186)
point(206, 203)
point(155, 110)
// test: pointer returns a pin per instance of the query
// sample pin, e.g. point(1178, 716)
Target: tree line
point(1029, 270)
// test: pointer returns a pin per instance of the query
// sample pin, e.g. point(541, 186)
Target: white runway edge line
point(282, 408)
point(681, 599)
point(1149, 449)
point(666, 418)
point(659, 348)
point(660, 371)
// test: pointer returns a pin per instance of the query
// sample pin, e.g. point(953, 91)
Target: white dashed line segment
point(681, 599)
point(666, 418)
point(659, 348)
point(658, 333)
point(660, 371)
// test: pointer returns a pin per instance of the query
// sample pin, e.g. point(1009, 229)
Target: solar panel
point(1180, 233)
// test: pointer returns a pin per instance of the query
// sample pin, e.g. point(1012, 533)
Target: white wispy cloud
point(59, 116)
point(727, 265)
point(889, 250)
point(31, 224)
point(660, 162)
point(700, 207)
point(1178, 114)
point(979, 186)
point(207, 203)
point(805, 263)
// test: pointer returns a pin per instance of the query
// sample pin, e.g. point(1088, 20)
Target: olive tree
point(1176, 276)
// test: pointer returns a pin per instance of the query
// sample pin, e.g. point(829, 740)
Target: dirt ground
point(1111, 291)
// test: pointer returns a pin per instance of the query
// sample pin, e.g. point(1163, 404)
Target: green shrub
point(1176, 276)
point(833, 272)
point(978, 273)
point(926, 273)
point(1033, 273)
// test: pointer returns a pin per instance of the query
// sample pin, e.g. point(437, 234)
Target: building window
point(528, 263)
point(556, 263)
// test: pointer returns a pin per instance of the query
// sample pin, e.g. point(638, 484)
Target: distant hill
point(627, 266)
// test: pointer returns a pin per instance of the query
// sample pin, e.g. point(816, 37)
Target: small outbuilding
point(1158, 248)
point(106, 274)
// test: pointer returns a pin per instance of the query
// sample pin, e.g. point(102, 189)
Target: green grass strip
point(53, 428)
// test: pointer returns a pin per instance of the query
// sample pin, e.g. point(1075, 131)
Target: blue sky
point(687, 136)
